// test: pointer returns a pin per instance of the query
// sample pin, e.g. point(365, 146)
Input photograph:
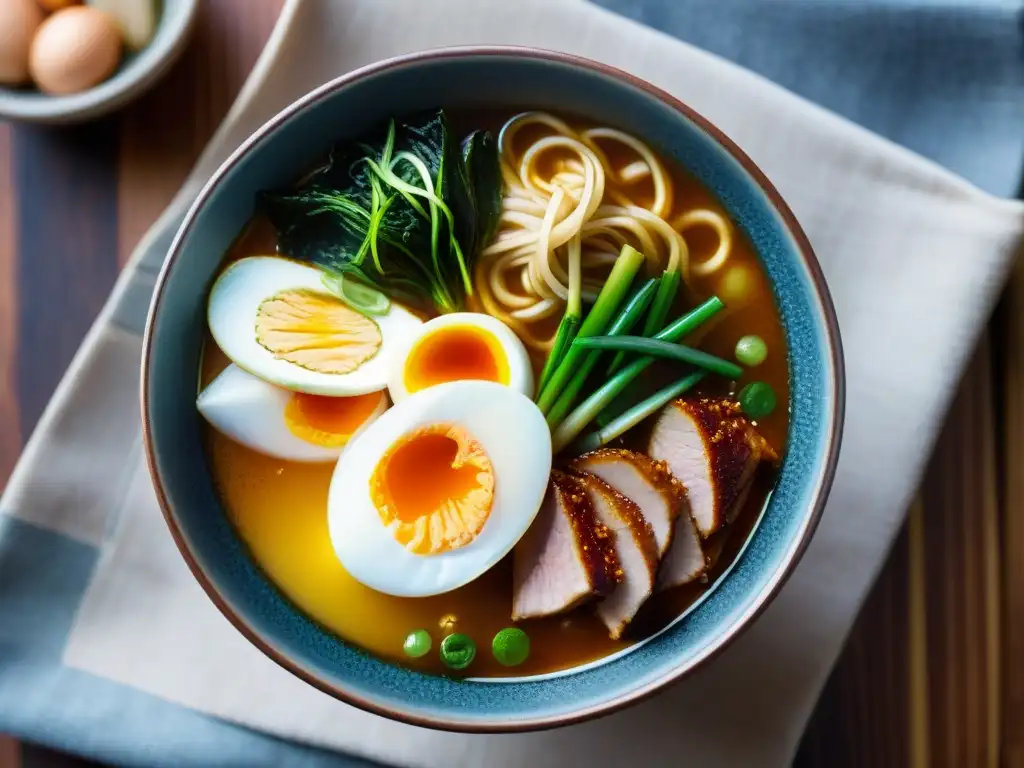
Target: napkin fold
point(914, 257)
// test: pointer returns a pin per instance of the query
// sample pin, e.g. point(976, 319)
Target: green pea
point(751, 350)
point(511, 646)
point(458, 651)
point(417, 643)
point(757, 399)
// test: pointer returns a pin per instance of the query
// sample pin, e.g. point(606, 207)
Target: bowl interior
point(297, 139)
point(136, 72)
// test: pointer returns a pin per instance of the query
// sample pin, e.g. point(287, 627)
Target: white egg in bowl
point(286, 425)
point(274, 318)
point(460, 346)
point(439, 488)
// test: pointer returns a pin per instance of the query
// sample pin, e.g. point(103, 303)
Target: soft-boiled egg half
point(457, 347)
point(275, 319)
point(439, 488)
point(287, 425)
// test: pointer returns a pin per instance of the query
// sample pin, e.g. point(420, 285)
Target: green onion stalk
point(565, 334)
point(636, 414)
point(668, 289)
point(664, 349)
point(597, 320)
point(571, 427)
point(623, 323)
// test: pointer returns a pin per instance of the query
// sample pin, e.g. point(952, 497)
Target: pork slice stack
point(635, 546)
point(620, 524)
point(662, 501)
point(713, 450)
point(641, 480)
point(566, 558)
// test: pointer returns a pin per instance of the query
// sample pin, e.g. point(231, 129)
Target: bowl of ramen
point(491, 389)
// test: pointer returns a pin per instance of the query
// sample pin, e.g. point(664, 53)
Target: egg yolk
point(316, 331)
point(329, 421)
point(434, 488)
point(455, 353)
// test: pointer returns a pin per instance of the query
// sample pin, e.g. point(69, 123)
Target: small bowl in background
point(138, 72)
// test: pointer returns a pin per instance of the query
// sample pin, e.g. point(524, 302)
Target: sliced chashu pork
point(662, 501)
point(635, 546)
point(643, 481)
point(713, 450)
point(685, 560)
point(566, 557)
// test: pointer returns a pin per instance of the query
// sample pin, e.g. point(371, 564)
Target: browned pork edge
point(597, 543)
point(729, 447)
point(592, 559)
point(638, 564)
point(659, 480)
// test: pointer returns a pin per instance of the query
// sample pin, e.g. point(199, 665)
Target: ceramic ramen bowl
point(504, 79)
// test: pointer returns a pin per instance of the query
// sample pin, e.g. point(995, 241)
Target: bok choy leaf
point(405, 210)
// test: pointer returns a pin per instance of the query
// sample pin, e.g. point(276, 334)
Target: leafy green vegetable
point(483, 168)
point(405, 210)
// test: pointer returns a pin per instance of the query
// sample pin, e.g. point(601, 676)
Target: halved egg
point(439, 488)
point(457, 347)
point(287, 425)
point(274, 318)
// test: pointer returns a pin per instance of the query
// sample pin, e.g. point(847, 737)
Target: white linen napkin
point(914, 257)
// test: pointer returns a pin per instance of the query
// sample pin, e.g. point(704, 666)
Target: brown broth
point(279, 507)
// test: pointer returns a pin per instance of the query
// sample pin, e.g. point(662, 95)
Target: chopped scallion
point(751, 351)
point(417, 643)
point(357, 295)
point(757, 399)
point(458, 651)
point(511, 646)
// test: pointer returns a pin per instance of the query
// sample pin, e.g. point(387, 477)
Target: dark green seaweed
point(406, 209)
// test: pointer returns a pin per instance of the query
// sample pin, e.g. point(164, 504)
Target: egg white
point(231, 314)
point(518, 359)
point(251, 412)
point(514, 435)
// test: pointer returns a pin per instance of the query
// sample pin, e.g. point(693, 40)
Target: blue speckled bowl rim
point(819, 493)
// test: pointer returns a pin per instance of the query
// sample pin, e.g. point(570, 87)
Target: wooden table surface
point(932, 671)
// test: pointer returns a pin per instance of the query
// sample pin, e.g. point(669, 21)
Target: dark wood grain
point(67, 247)
point(930, 674)
point(861, 719)
point(180, 116)
point(10, 418)
point(1011, 348)
point(919, 680)
point(963, 591)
